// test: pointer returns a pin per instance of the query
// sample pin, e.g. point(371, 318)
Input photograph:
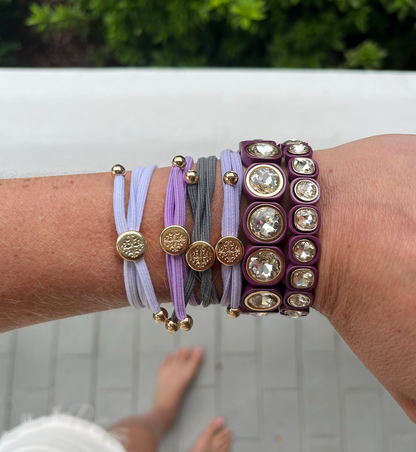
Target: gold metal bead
point(131, 245)
point(191, 177)
point(187, 323)
point(230, 178)
point(200, 256)
point(233, 313)
point(174, 240)
point(171, 326)
point(179, 160)
point(229, 250)
point(118, 170)
point(161, 316)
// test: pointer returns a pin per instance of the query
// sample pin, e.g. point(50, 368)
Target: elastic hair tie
point(174, 239)
point(131, 244)
point(229, 248)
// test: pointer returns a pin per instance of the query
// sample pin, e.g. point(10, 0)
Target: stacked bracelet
point(304, 223)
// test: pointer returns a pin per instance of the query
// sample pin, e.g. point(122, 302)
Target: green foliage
point(369, 34)
point(9, 42)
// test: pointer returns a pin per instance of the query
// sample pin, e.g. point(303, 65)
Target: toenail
point(220, 421)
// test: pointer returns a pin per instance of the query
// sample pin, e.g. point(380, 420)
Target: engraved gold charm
point(174, 240)
point(229, 250)
point(200, 256)
point(131, 245)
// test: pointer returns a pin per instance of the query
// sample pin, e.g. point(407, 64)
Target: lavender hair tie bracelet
point(174, 239)
point(229, 249)
point(131, 244)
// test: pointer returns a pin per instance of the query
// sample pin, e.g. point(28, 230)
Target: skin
point(65, 263)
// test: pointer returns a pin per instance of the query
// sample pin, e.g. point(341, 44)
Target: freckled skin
point(59, 257)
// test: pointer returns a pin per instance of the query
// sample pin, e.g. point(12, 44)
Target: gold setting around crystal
point(256, 252)
point(179, 161)
point(186, 324)
point(230, 178)
point(131, 245)
point(263, 292)
point(233, 312)
point(272, 206)
point(290, 303)
point(229, 250)
point(200, 256)
point(171, 326)
point(306, 158)
point(118, 170)
point(304, 269)
point(296, 225)
point(161, 316)
point(250, 151)
point(295, 189)
point(265, 195)
point(291, 149)
point(293, 250)
point(191, 177)
point(174, 240)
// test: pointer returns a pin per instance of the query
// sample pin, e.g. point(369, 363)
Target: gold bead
point(187, 323)
point(191, 177)
point(230, 178)
point(161, 316)
point(171, 326)
point(118, 170)
point(233, 313)
point(180, 161)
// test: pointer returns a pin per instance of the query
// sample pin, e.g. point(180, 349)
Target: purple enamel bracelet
point(272, 284)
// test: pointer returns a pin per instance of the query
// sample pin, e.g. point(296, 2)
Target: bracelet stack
point(258, 278)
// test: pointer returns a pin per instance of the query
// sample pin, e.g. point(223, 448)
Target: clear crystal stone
point(304, 250)
point(302, 278)
point(298, 149)
point(293, 141)
point(306, 219)
point(263, 150)
point(266, 222)
point(264, 265)
point(298, 300)
point(259, 314)
point(306, 190)
point(264, 180)
point(294, 314)
point(262, 301)
point(303, 165)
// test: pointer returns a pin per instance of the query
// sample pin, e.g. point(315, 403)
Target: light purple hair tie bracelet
point(174, 239)
point(131, 244)
point(229, 249)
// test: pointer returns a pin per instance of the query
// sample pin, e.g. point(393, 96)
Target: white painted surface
point(282, 385)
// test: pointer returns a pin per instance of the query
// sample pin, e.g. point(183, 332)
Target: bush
point(244, 33)
point(10, 20)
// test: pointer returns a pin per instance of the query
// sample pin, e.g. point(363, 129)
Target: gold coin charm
point(229, 250)
point(233, 312)
point(171, 326)
point(200, 256)
point(187, 323)
point(161, 316)
point(174, 240)
point(131, 245)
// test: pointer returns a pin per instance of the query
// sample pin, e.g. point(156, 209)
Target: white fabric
point(59, 433)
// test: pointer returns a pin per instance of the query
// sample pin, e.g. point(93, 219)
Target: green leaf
point(367, 55)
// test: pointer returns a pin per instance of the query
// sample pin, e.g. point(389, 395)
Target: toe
point(222, 440)
point(215, 425)
point(186, 352)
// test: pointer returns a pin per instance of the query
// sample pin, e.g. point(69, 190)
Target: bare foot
point(174, 377)
point(215, 438)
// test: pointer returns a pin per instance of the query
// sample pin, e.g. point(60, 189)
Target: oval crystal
point(306, 190)
point(303, 165)
point(298, 300)
point(264, 265)
point(262, 301)
point(298, 149)
point(306, 219)
point(264, 180)
point(262, 150)
point(304, 250)
point(266, 222)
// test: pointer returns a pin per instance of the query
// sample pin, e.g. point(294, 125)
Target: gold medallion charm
point(174, 240)
point(229, 250)
point(187, 323)
point(131, 245)
point(200, 256)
